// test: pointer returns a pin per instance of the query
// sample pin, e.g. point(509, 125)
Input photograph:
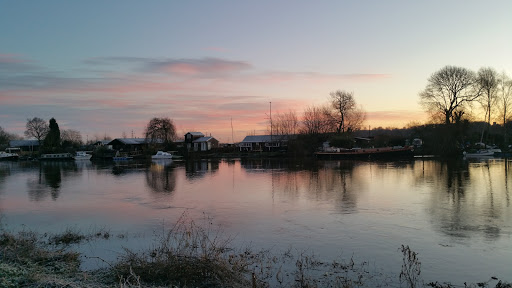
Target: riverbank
point(191, 256)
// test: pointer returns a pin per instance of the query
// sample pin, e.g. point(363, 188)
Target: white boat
point(488, 152)
point(162, 155)
point(8, 156)
point(82, 155)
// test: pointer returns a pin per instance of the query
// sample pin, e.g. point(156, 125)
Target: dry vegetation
point(190, 255)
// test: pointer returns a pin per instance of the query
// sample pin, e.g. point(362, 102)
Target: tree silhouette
point(160, 129)
point(52, 139)
point(36, 128)
point(448, 91)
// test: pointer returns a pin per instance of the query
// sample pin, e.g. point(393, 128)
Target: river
point(456, 215)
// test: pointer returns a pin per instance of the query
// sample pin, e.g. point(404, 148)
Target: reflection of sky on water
point(457, 215)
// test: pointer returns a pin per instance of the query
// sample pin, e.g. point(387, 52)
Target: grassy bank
point(190, 255)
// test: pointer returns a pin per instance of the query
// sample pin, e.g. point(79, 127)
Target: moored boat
point(82, 155)
point(491, 152)
point(162, 155)
point(381, 152)
point(56, 157)
point(8, 156)
point(120, 157)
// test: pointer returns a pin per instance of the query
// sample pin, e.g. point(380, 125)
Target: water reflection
point(466, 198)
point(339, 182)
point(197, 169)
point(124, 167)
point(460, 199)
point(47, 181)
point(161, 176)
point(5, 171)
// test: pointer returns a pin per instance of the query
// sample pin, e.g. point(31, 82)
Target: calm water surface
point(456, 215)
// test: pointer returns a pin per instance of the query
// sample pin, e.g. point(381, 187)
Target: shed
point(205, 143)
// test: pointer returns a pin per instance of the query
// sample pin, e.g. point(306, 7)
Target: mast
point(271, 140)
point(232, 137)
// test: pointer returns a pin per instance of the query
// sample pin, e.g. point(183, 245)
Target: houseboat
point(381, 152)
point(55, 157)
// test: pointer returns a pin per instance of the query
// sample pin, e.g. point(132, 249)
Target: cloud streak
point(204, 67)
point(201, 94)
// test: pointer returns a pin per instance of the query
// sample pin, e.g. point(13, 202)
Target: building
point(205, 143)
point(264, 142)
point(132, 146)
point(190, 137)
point(25, 145)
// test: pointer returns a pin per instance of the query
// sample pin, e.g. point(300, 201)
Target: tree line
point(457, 98)
point(52, 139)
point(453, 91)
point(453, 97)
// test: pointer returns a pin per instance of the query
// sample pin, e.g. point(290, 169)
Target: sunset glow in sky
point(108, 67)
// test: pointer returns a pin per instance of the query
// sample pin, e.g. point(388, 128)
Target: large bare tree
point(487, 82)
point(37, 128)
point(355, 118)
point(160, 129)
point(504, 100)
point(285, 123)
point(317, 120)
point(342, 103)
point(448, 92)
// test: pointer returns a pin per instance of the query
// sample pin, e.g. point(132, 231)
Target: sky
point(217, 67)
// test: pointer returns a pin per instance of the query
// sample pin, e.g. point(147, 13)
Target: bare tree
point(37, 128)
point(487, 82)
point(343, 103)
point(160, 129)
point(448, 91)
point(504, 99)
point(317, 120)
point(355, 119)
point(72, 136)
point(285, 124)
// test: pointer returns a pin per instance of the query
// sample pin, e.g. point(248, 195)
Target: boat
point(381, 152)
point(487, 152)
point(82, 155)
point(120, 157)
point(56, 157)
point(162, 155)
point(8, 156)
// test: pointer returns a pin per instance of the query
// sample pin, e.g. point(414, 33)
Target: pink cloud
point(11, 58)
point(198, 67)
point(201, 101)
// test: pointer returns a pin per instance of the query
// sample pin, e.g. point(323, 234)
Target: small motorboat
point(82, 155)
point(8, 156)
point(120, 157)
point(162, 155)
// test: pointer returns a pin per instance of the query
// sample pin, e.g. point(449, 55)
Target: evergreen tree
point(52, 139)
